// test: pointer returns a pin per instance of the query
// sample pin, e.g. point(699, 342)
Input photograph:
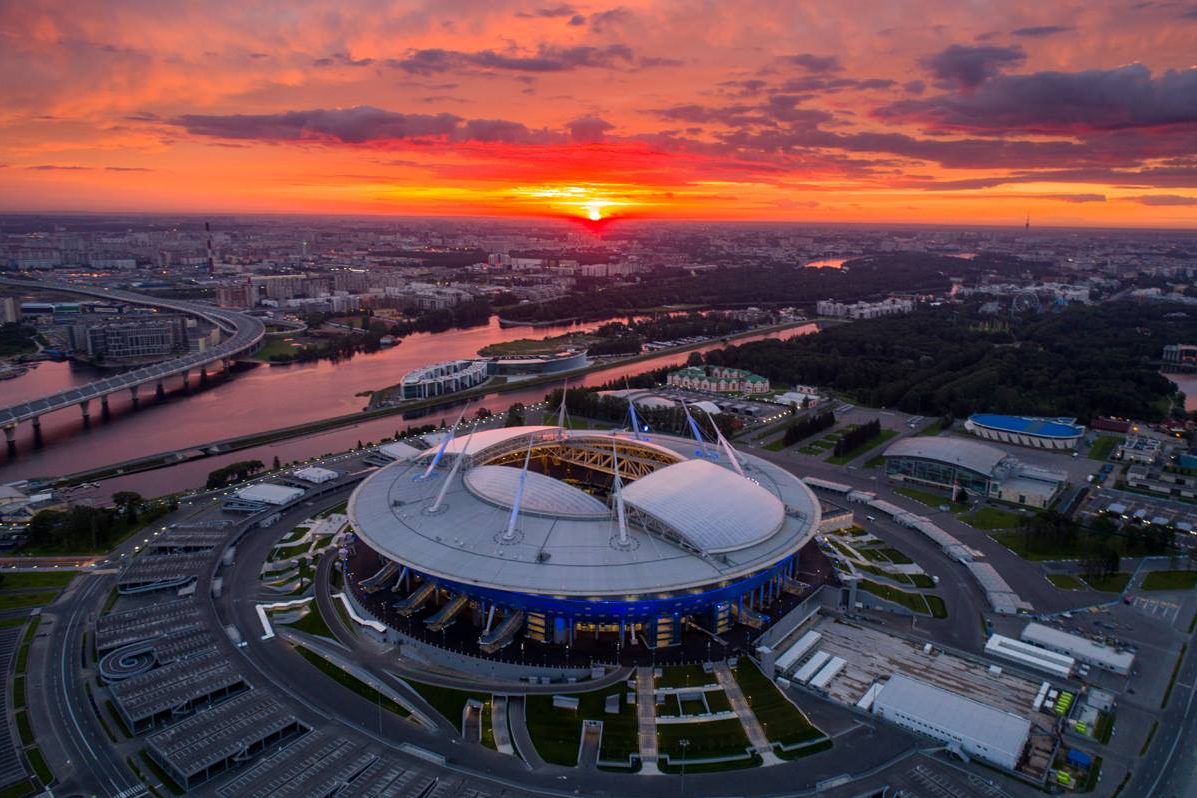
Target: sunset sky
point(962, 111)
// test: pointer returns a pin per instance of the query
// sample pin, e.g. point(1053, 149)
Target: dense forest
point(778, 285)
point(84, 528)
point(1081, 361)
point(589, 403)
point(16, 339)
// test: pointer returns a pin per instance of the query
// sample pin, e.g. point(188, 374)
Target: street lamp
point(684, 743)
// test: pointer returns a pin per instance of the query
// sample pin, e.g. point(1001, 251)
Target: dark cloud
point(613, 16)
point(1041, 31)
point(744, 88)
point(914, 86)
point(649, 61)
point(587, 129)
point(1164, 200)
point(1062, 102)
point(343, 59)
point(127, 169)
point(361, 125)
point(546, 59)
point(52, 167)
point(814, 64)
point(968, 67)
point(577, 20)
point(1071, 197)
point(548, 13)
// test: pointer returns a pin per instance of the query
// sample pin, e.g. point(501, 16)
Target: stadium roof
point(979, 457)
point(544, 495)
point(710, 508)
point(1029, 425)
point(568, 545)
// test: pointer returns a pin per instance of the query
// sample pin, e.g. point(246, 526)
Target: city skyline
point(1076, 115)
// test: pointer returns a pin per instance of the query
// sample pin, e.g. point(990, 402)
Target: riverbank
point(251, 440)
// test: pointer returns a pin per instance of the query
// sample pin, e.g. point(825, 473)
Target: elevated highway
point(243, 335)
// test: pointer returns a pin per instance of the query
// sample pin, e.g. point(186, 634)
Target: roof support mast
point(509, 535)
point(440, 496)
point(620, 511)
point(441, 451)
point(727, 448)
point(702, 444)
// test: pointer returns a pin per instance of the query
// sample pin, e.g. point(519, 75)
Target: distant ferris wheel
point(1025, 301)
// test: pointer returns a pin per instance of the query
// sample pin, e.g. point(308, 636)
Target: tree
point(129, 502)
point(482, 413)
point(695, 359)
point(515, 415)
point(276, 464)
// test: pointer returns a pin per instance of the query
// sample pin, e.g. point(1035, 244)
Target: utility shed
point(266, 493)
point(1082, 648)
point(977, 729)
point(1030, 656)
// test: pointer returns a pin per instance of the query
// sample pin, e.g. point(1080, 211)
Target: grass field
point(868, 445)
point(17, 601)
point(1170, 580)
point(930, 499)
point(448, 702)
point(875, 462)
point(915, 602)
point(685, 676)
point(26, 580)
point(1103, 446)
point(1066, 581)
point(1016, 542)
point(989, 518)
point(782, 721)
point(556, 733)
point(313, 623)
point(937, 606)
point(896, 556)
point(1114, 583)
point(716, 738)
point(352, 682)
point(934, 428)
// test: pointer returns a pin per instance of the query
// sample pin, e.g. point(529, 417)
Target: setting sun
point(595, 213)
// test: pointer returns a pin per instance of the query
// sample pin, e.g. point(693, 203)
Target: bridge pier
point(187, 379)
point(226, 363)
point(136, 400)
point(37, 425)
point(159, 390)
point(10, 434)
point(104, 406)
point(85, 408)
point(203, 375)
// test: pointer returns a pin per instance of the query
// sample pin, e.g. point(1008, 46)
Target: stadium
point(555, 537)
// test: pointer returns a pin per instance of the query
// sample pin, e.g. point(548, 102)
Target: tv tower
point(1027, 226)
point(211, 259)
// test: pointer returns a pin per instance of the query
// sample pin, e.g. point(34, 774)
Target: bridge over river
point(243, 335)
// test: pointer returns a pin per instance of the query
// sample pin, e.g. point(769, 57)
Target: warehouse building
point(948, 464)
point(964, 725)
point(1081, 648)
point(1032, 431)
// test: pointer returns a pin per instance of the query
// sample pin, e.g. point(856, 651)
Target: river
point(261, 398)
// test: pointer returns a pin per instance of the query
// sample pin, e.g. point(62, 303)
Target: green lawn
point(685, 676)
point(352, 682)
point(875, 462)
point(17, 601)
point(717, 701)
point(1114, 583)
point(447, 701)
point(1016, 541)
point(937, 606)
point(1170, 580)
point(811, 450)
point(930, 499)
point(556, 733)
point(288, 552)
point(10, 580)
point(868, 445)
point(1066, 581)
point(921, 580)
point(896, 556)
point(915, 602)
point(1103, 446)
point(313, 623)
point(934, 428)
point(295, 534)
point(782, 721)
point(989, 518)
point(715, 738)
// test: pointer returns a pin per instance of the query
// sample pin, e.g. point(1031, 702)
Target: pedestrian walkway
point(498, 723)
point(519, 733)
point(646, 713)
point(756, 735)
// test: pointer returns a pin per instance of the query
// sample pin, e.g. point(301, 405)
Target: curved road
point(246, 332)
